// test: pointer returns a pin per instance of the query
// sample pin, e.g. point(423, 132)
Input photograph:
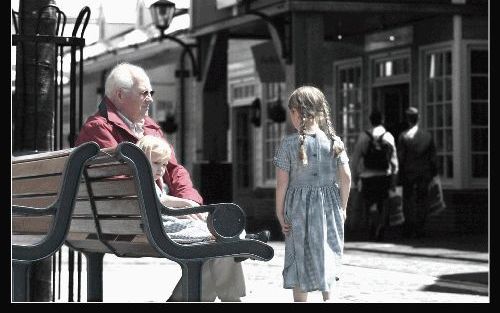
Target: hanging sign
point(268, 63)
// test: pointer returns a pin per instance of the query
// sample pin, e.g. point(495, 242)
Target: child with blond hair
point(312, 187)
point(184, 228)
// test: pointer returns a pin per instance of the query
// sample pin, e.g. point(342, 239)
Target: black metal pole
point(54, 277)
point(59, 263)
point(79, 275)
point(61, 104)
point(56, 115)
point(71, 266)
point(183, 106)
point(72, 99)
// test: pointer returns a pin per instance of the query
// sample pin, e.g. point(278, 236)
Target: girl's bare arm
point(345, 184)
point(281, 187)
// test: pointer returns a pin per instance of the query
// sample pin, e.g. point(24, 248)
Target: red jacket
point(107, 129)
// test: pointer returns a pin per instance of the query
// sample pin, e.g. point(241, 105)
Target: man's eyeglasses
point(145, 93)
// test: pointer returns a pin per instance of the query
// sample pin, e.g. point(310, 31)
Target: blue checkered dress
point(183, 230)
point(314, 247)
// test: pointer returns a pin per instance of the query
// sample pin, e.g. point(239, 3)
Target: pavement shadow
point(475, 283)
point(453, 241)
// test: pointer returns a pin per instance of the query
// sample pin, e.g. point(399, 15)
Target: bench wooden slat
point(36, 201)
point(109, 188)
point(112, 206)
point(109, 225)
point(108, 170)
point(31, 224)
point(26, 240)
point(39, 167)
point(37, 185)
point(42, 156)
point(130, 249)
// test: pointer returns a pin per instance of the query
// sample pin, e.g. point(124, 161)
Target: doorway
point(242, 150)
point(392, 101)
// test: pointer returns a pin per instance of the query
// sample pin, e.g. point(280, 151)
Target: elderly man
point(122, 116)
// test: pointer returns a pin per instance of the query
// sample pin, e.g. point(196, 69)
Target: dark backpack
point(378, 155)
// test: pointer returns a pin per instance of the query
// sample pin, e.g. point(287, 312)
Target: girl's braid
point(337, 145)
point(302, 139)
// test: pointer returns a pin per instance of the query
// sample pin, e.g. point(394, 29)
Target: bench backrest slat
point(34, 201)
point(109, 225)
point(36, 185)
point(113, 206)
point(31, 224)
point(109, 170)
point(40, 167)
point(110, 188)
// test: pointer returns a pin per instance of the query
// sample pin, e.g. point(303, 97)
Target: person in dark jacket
point(417, 166)
point(122, 116)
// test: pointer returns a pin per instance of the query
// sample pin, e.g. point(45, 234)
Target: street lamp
point(162, 13)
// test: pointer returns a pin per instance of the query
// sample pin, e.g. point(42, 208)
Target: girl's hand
point(285, 229)
point(186, 203)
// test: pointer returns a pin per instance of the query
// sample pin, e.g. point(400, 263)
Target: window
point(390, 67)
point(393, 67)
point(479, 111)
point(437, 94)
point(348, 90)
point(243, 91)
point(242, 137)
point(272, 131)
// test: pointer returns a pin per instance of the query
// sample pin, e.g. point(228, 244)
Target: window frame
point(424, 108)
point(469, 45)
point(336, 106)
point(392, 80)
point(266, 181)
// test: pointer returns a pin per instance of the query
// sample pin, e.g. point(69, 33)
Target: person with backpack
point(374, 172)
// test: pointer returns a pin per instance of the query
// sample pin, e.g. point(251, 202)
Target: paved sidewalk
point(417, 272)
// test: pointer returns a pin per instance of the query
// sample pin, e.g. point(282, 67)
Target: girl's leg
point(326, 295)
point(298, 295)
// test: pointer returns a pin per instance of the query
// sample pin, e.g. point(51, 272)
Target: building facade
point(383, 54)
point(389, 55)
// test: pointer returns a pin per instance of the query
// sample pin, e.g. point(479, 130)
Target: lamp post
point(162, 13)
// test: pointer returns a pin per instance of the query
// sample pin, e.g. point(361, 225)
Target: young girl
point(185, 228)
point(312, 187)
point(221, 277)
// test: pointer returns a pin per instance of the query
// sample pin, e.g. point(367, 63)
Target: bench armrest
point(226, 221)
point(186, 211)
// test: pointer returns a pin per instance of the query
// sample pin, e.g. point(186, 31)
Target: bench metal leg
point(191, 281)
point(20, 281)
point(94, 276)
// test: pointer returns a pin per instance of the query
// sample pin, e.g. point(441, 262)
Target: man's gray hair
point(122, 76)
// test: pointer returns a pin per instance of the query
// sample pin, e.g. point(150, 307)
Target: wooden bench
point(117, 211)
